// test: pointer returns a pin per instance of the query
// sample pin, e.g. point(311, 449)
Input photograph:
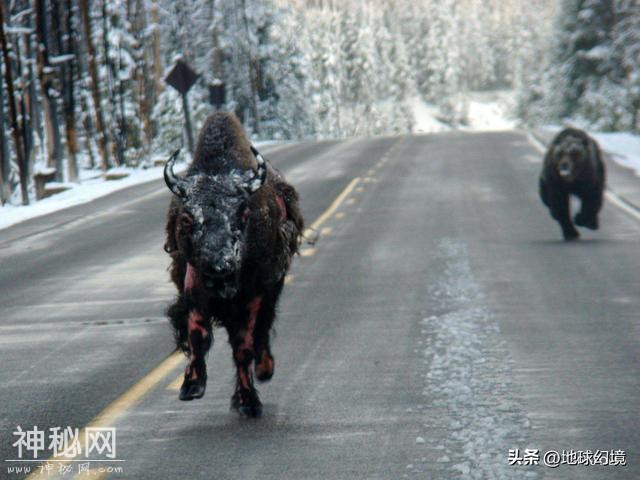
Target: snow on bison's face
point(210, 231)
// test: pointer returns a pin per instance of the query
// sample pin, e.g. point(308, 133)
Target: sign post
point(217, 94)
point(182, 77)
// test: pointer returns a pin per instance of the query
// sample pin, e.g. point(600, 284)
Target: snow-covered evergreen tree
point(592, 71)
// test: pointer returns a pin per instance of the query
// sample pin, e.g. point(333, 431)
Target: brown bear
point(573, 166)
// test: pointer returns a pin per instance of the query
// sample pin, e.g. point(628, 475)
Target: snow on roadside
point(490, 111)
point(426, 117)
point(85, 192)
point(623, 147)
point(485, 111)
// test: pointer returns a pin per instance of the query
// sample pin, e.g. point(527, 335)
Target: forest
point(84, 86)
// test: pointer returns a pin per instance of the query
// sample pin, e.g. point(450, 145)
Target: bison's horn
point(176, 184)
point(261, 173)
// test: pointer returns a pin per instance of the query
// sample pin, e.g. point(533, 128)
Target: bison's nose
point(217, 274)
point(216, 278)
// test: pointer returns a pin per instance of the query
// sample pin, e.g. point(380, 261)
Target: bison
point(573, 166)
point(233, 226)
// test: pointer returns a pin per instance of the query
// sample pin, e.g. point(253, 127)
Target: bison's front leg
point(245, 399)
point(265, 363)
point(199, 338)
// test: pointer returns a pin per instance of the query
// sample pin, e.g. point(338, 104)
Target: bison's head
point(210, 230)
point(570, 156)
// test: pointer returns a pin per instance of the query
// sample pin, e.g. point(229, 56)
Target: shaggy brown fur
point(231, 248)
point(222, 143)
point(573, 166)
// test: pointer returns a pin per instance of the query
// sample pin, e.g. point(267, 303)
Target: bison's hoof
point(582, 221)
point(247, 404)
point(264, 368)
point(192, 391)
point(194, 388)
point(251, 411)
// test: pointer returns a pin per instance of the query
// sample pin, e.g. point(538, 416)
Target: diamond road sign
point(181, 77)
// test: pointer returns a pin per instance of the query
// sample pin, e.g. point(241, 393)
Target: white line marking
point(536, 143)
point(615, 199)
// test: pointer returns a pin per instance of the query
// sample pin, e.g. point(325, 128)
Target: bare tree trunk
point(157, 54)
point(116, 101)
point(5, 162)
point(66, 48)
point(146, 91)
point(25, 100)
point(70, 101)
point(46, 87)
point(15, 130)
point(253, 80)
point(85, 115)
point(216, 60)
point(103, 142)
point(35, 114)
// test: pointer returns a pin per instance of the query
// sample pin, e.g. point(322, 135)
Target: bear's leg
point(588, 215)
point(544, 196)
point(559, 206)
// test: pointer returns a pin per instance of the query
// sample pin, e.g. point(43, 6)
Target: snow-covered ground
point(88, 190)
point(624, 148)
point(485, 111)
point(425, 117)
point(491, 110)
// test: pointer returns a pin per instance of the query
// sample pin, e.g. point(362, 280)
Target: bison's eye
point(185, 223)
point(245, 215)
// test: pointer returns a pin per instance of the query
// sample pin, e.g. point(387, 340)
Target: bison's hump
point(222, 145)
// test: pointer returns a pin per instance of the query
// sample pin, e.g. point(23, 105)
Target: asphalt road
point(438, 323)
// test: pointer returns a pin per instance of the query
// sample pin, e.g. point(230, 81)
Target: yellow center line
point(175, 385)
point(332, 208)
point(116, 409)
